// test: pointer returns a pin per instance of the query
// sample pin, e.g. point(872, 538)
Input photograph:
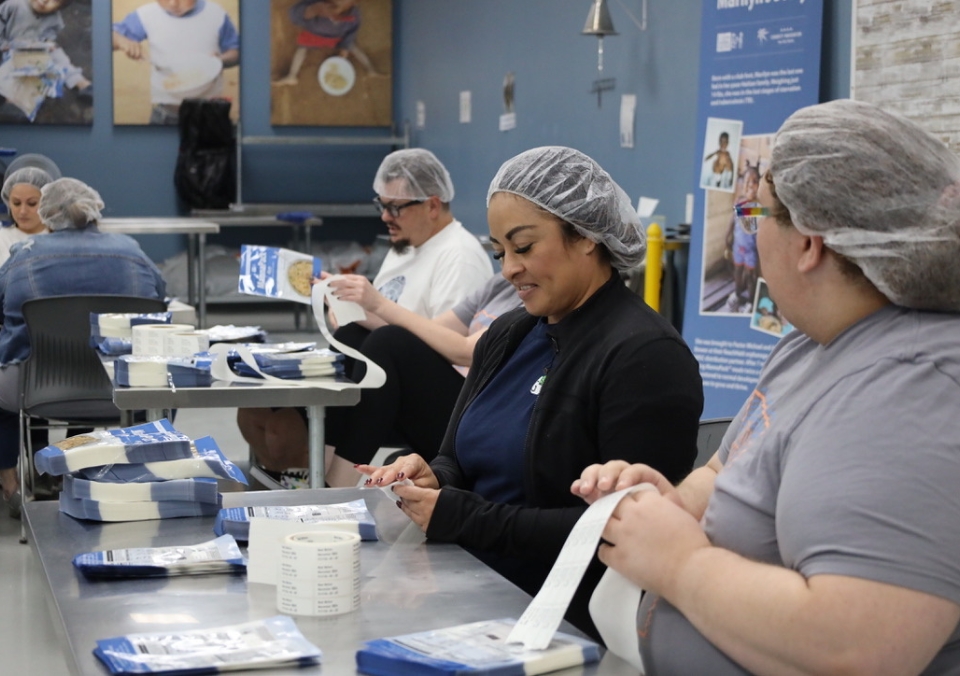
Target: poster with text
point(46, 65)
point(165, 53)
point(760, 62)
point(331, 62)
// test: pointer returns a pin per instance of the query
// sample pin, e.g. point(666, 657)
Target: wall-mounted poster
point(165, 51)
point(331, 62)
point(46, 65)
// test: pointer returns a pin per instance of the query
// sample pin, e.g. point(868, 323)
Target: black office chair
point(63, 384)
point(709, 437)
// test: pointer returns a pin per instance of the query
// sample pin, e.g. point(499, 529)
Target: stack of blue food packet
point(148, 471)
point(353, 516)
point(220, 555)
point(143, 371)
point(294, 365)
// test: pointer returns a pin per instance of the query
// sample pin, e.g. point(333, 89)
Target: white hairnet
point(69, 203)
point(880, 191)
point(575, 189)
point(28, 175)
point(421, 176)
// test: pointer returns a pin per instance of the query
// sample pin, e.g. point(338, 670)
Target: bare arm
point(445, 333)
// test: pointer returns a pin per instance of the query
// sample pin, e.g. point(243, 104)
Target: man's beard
point(400, 245)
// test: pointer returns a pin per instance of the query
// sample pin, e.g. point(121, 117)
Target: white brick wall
point(908, 61)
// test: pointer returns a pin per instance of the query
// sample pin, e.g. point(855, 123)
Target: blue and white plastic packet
point(149, 442)
point(236, 520)
point(272, 643)
point(295, 365)
point(478, 648)
point(221, 555)
point(143, 371)
point(206, 460)
point(98, 510)
point(194, 490)
point(277, 273)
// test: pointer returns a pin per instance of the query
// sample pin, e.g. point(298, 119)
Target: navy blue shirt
point(492, 434)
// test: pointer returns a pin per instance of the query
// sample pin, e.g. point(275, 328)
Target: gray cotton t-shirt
point(479, 309)
point(845, 460)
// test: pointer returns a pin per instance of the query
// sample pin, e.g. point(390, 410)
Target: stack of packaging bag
point(148, 471)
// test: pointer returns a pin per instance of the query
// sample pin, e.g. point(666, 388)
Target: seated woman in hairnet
point(21, 195)
point(75, 258)
point(584, 372)
point(824, 535)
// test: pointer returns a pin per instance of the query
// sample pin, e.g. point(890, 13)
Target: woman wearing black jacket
point(585, 372)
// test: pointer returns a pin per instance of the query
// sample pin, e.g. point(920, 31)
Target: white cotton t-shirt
point(431, 278)
point(9, 235)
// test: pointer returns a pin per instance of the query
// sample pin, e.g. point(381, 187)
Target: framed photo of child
point(165, 51)
point(720, 154)
point(46, 75)
point(331, 62)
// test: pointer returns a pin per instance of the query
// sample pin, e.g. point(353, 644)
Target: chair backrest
point(709, 437)
point(63, 377)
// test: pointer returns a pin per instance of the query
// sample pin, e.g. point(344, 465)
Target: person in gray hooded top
point(823, 536)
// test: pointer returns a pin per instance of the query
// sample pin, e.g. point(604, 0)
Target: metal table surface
point(196, 230)
point(406, 585)
point(222, 394)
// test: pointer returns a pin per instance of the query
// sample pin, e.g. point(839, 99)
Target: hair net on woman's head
point(35, 160)
point(69, 203)
point(575, 189)
point(880, 191)
point(413, 174)
point(28, 175)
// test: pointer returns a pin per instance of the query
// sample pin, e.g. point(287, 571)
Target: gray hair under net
point(413, 174)
point(880, 191)
point(575, 189)
point(69, 203)
point(29, 176)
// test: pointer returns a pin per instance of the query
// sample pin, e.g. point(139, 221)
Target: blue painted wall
point(441, 48)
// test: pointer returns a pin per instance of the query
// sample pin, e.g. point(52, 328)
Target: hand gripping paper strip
point(613, 606)
point(347, 312)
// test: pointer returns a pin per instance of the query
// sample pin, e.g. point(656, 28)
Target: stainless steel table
point(222, 394)
point(407, 585)
point(195, 229)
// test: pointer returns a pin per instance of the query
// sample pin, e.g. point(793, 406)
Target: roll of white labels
point(169, 340)
point(319, 573)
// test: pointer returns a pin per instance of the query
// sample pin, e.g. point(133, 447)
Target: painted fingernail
point(356, 465)
point(380, 480)
point(367, 482)
point(400, 476)
point(399, 504)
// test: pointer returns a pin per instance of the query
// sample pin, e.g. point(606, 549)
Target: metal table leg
point(202, 280)
point(315, 432)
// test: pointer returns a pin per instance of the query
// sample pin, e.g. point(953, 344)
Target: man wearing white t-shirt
point(434, 262)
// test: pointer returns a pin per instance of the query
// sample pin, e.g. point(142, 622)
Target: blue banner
point(760, 61)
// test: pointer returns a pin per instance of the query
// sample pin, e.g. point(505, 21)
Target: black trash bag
point(206, 173)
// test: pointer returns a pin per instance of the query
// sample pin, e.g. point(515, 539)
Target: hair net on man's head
point(69, 203)
point(880, 191)
point(29, 176)
point(575, 189)
point(413, 174)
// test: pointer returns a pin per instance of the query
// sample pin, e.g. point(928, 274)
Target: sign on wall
point(760, 61)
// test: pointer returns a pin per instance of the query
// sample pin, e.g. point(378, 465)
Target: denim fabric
point(69, 262)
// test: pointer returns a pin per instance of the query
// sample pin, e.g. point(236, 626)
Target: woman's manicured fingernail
point(400, 476)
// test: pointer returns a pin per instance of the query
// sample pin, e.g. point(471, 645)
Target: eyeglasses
point(748, 216)
point(394, 209)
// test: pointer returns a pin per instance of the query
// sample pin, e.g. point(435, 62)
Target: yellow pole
point(654, 267)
